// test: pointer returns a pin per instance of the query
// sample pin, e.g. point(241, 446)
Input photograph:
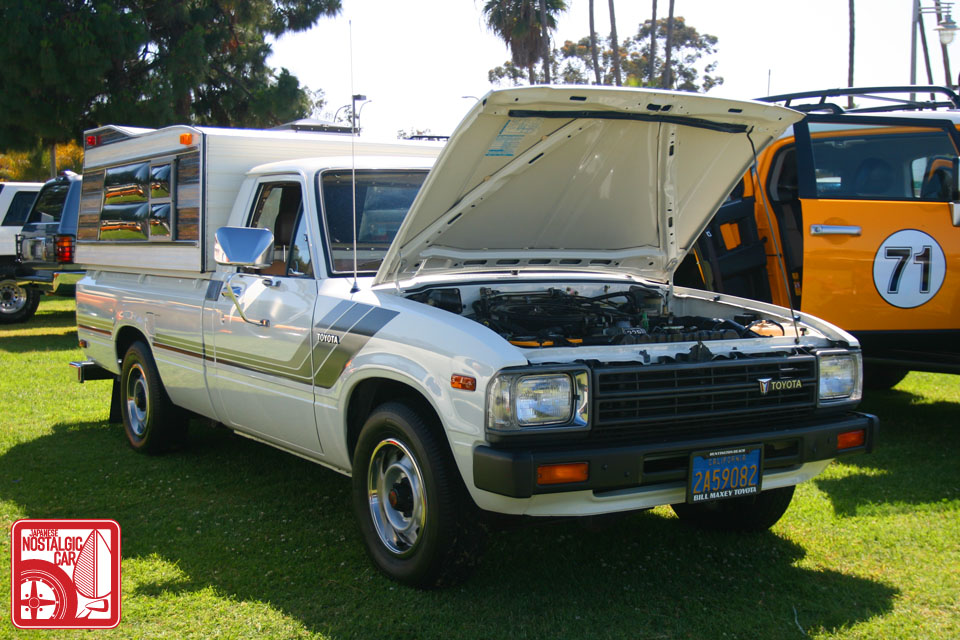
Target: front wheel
point(414, 514)
point(749, 513)
point(151, 421)
point(17, 304)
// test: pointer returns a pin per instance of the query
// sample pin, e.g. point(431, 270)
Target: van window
point(383, 199)
point(49, 204)
point(875, 162)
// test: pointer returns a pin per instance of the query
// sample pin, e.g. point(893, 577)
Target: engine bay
point(555, 317)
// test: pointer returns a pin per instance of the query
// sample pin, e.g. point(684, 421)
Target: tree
point(518, 24)
point(653, 46)
point(667, 81)
point(594, 56)
point(615, 45)
point(146, 62)
point(687, 62)
point(850, 59)
point(33, 165)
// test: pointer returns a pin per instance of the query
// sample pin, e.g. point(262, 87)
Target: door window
point(278, 207)
point(882, 162)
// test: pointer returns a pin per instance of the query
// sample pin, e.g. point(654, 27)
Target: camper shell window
point(137, 203)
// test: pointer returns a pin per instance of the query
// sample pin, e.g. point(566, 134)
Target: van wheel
point(882, 378)
point(17, 304)
point(749, 513)
point(414, 514)
point(151, 421)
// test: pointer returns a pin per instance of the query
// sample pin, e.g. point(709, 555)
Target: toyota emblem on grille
point(784, 384)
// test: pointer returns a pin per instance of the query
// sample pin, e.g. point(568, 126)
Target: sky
point(422, 63)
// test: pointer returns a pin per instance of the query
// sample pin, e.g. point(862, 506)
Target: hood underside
point(580, 178)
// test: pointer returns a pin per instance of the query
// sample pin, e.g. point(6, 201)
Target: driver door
point(262, 374)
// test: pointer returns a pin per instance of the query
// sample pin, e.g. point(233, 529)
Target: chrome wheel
point(395, 492)
point(136, 398)
point(12, 297)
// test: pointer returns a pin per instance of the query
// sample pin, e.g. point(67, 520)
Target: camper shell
point(155, 197)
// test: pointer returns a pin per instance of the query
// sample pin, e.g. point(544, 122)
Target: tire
point(48, 583)
point(749, 513)
point(882, 378)
point(17, 304)
point(152, 423)
point(416, 519)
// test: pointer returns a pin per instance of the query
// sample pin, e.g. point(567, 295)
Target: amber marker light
point(851, 439)
point(563, 473)
point(463, 382)
point(186, 138)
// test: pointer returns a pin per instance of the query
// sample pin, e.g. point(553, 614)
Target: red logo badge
point(65, 574)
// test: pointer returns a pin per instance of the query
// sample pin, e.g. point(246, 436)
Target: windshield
point(383, 199)
point(49, 204)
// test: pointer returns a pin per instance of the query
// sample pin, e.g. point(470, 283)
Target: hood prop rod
point(776, 243)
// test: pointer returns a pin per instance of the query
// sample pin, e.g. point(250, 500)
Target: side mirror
point(243, 247)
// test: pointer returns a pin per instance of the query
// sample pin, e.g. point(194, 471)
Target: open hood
point(580, 178)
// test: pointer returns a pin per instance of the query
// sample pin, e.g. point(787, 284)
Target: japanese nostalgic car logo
point(784, 384)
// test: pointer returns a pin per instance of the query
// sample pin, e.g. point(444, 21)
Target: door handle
point(228, 292)
point(834, 230)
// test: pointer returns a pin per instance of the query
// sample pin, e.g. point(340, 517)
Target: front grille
point(656, 403)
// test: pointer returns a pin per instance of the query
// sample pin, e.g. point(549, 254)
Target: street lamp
point(946, 29)
point(353, 111)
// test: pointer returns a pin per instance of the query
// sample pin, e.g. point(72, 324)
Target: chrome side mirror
point(243, 247)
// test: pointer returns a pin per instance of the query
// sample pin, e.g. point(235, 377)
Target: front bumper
point(513, 472)
point(60, 283)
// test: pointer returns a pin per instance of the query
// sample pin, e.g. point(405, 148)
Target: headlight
point(841, 378)
point(523, 400)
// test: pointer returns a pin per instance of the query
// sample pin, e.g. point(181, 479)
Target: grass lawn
point(232, 539)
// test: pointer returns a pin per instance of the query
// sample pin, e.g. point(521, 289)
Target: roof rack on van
point(911, 100)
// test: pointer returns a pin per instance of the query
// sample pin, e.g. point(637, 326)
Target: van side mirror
point(243, 247)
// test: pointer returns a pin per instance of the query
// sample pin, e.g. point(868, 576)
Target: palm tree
point(667, 82)
point(653, 46)
point(593, 46)
point(518, 24)
point(545, 38)
point(850, 59)
point(616, 46)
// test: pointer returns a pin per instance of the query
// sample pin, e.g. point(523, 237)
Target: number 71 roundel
point(909, 268)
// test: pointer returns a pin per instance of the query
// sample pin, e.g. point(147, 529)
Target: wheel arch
point(126, 336)
point(376, 389)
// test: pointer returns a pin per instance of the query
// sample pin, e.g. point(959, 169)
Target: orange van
point(862, 204)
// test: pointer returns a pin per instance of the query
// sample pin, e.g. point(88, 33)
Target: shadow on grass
point(259, 525)
point(39, 342)
point(914, 462)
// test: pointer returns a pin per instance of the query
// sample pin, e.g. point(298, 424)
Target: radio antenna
point(353, 160)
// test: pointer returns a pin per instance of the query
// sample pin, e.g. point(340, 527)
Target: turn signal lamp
point(63, 248)
point(851, 439)
point(563, 473)
point(463, 382)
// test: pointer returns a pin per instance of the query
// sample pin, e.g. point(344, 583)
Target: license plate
point(731, 472)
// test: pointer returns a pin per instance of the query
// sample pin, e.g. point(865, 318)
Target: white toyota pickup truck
point(490, 327)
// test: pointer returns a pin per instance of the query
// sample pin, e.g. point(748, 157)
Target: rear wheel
point(17, 304)
point(414, 514)
point(882, 377)
point(749, 513)
point(151, 421)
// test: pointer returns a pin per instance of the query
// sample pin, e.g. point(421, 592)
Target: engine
point(555, 317)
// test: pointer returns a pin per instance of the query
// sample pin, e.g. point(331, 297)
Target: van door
point(263, 367)
point(881, 255)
